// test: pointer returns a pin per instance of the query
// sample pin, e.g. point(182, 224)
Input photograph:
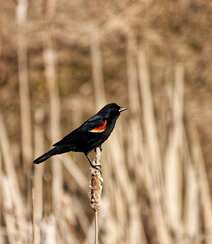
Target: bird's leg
point(100, 147)
point(86, 155)
point(92, 165)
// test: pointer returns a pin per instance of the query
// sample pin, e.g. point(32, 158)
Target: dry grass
point(156, 180)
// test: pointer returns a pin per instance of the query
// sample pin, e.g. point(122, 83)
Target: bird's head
point(111, 110)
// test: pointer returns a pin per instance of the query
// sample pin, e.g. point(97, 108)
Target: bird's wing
point(94, 124)
point(66, 140)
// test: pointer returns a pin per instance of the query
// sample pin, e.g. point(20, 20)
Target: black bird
point(90, 135)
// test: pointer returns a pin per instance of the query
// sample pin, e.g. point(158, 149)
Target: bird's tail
point(46, 155)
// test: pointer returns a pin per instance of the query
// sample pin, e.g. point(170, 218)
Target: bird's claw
point(98, 167)
point(100, 147)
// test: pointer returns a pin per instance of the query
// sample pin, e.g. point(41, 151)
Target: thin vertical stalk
point(97, 70)
point(204, 186)
point(48, 230)
point(149, 118)
point(1, 194)
point(38, 182)
point(96, 228)
point(50, 72)
point(135, 130)
point(12, 178)
point(11, 228)
point(24, 94)
point(152, 155)
point(192, 203)
point(49, 55)
point(173, 168)
point(25, 105)
point(136, 230)
point(132, 75)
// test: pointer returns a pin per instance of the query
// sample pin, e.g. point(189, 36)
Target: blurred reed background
point(62, 60)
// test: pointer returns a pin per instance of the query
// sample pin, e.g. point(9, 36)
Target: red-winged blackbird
point(90, 135)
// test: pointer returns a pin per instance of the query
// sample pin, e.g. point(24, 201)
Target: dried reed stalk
point(50, 72)
point(152, 152)
point(192, 204)
point(132, 74)
point(97, 69)
point(204, 186)
point(135, 146)
point(25, 105)
point(7, 206)
point(173, 168)
point(137, 234)
point(38, 181)
point(1, 196)
point(149, 118)
point(96, 185)
point(24, 95)
point(11, 228)
point(50, 58)
point(48, 230)
point(11, 175)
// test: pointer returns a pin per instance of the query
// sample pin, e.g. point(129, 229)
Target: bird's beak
point(122, 109)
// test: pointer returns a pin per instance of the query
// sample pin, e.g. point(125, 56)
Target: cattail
point(96, 182)
point(96, 185)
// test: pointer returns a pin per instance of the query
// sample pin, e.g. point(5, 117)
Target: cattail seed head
point(96, 183)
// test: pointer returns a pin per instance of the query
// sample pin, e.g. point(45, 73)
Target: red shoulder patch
point(100, 128)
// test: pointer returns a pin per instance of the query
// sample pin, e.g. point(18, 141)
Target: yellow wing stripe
point(100, 128)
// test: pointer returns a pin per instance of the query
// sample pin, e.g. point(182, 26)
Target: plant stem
point(96, 184)
point(96, 228)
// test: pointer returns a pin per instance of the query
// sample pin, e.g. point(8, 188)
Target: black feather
point(46, 155)
point(84, 139)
